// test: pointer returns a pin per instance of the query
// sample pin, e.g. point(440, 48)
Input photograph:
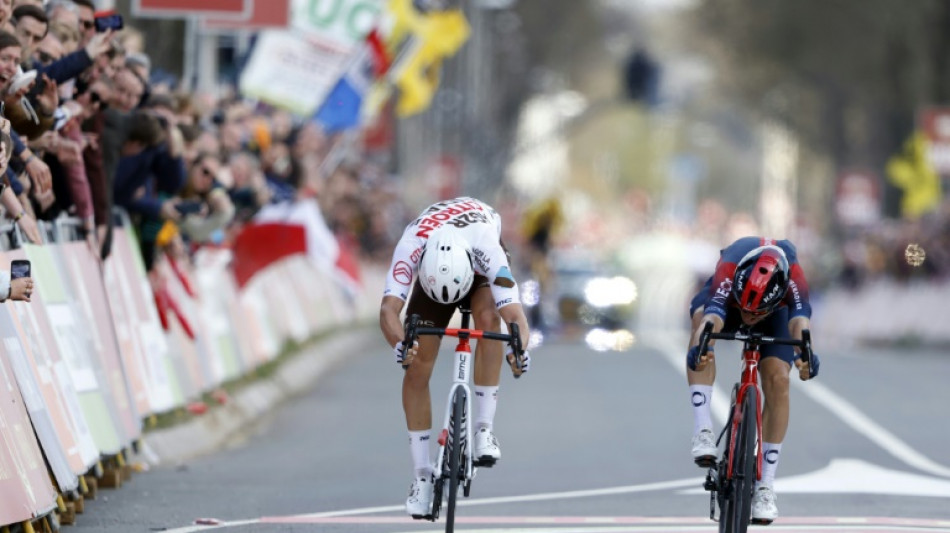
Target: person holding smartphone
point(16, 285)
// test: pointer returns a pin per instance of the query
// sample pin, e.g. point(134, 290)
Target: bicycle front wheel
point(735, 517)
point(456, 430)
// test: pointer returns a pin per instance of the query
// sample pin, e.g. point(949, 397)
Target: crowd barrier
point(103, 347)
point(885, 312)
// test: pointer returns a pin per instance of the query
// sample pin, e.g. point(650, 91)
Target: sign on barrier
point(49, 394)
point(84, 276)
point(25, 489)
point(141, 328)
point(55, 309)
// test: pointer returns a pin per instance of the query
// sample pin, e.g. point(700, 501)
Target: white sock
point(419, 448)
point(486, 400)
point(770, 456)
point(700, 398)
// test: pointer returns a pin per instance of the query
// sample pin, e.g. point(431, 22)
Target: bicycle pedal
point(428, 517)
point(706, 461)
point(484, 462)
point(760, 522)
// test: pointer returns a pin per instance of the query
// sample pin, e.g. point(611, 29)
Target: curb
point(213, 430)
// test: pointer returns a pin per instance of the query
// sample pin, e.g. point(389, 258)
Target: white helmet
point(445, 270)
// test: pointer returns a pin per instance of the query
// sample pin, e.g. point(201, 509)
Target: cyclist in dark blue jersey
point(758, 285)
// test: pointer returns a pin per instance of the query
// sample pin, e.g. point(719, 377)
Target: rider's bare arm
point(514, 312)
point(796, 325)
point(717, 323)
point(389, 322)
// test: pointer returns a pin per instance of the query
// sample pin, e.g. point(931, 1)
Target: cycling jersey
point(716, 296)
point(478, 224)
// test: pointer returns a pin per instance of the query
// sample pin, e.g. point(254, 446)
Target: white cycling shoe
point(486, 451)
point(764, 509)
point(704, 448)
point(419, 502)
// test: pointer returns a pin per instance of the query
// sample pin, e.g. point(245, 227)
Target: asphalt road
point(592, 442)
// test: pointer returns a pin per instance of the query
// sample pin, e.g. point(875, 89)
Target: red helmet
point(761, 280)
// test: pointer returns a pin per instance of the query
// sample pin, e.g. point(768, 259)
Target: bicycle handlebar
point(513, 338)
point(756, 339)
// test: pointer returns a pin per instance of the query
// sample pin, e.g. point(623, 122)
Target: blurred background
point(624, 141)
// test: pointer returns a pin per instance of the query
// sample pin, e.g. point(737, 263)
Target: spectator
point(149, 174)
point(214, 207)
point(31, 25)
point(10, 53)
point(87, 22)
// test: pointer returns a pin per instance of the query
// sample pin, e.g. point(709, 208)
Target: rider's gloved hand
point(813, 365)
point(692, 356)
point(525, 361)
point(405, 358)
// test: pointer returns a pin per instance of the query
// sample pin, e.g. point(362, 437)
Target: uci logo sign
point(344, 20)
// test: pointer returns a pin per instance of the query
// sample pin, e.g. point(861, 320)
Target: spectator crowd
point(89, 126)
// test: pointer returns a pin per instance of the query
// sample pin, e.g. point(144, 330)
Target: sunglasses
point(96, 98)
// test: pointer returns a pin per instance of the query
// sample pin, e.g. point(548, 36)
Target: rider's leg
point(773, 372)
point(701, 385)
point(774, 368)
point(489, 355)
point(416, 402)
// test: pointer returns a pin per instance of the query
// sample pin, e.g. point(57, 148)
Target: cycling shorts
point(433, 314)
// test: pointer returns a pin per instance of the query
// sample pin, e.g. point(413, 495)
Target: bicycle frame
point(460, 380)
point(749, 378)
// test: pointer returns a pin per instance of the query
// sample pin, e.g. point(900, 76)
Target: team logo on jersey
point(504, 278)
point(441, 214)
point(402, 273)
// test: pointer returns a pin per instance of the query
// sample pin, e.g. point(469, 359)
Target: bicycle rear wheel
point(736, 506)
point(456, 429)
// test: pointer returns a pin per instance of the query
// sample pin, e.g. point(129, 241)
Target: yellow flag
point(434, 37)
point(912, 172)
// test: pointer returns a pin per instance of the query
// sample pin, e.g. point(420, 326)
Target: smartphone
point(19, 268)
point(188, 207)
point(108, 20)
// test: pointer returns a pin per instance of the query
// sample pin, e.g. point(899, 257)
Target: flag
point(424, 40)
point(914, 174)
point(341, 109)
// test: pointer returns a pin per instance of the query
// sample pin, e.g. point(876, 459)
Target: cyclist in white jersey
point(451, 254)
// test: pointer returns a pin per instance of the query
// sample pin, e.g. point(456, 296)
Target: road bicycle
point(455, 463)
point(732, 478)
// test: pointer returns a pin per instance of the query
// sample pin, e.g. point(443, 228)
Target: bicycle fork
point(463, 356)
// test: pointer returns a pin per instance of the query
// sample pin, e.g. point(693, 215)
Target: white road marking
point(853, 476)
point(850, 415)
point(675, 528)
point(665, 343)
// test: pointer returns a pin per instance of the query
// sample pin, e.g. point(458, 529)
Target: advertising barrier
point(103, 346)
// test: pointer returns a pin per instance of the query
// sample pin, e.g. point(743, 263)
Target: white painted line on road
point(544, 496)
point(850, 415)
point(663, 341)
point(667, 529)
point(854, 476)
